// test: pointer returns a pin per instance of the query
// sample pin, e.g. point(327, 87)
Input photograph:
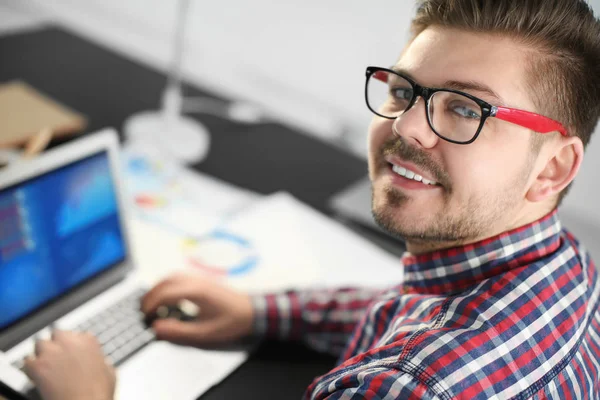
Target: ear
point(559, 171)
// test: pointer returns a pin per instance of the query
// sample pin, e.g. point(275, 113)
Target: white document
point(168, 194)
point(312, 250)
point(277, 243)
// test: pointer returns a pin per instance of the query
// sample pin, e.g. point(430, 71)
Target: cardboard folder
point(24, 112)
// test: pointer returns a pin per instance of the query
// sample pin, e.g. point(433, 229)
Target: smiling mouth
point(408, 174)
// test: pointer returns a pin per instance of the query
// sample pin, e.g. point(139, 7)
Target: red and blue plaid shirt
point(513, 317)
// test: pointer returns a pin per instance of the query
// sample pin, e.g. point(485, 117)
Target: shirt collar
point(454, 270)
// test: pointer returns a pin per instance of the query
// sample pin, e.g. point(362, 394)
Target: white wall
point(16, 20)
point(303, 59)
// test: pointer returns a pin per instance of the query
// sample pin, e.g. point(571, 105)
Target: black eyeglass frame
point(426, 93)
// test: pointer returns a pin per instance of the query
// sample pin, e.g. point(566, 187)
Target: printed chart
point(190, 207)
point(221, 253)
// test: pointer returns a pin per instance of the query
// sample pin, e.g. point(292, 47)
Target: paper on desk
point(277, 243)
point(303, 241)
point(168, 194)
point(159, 253)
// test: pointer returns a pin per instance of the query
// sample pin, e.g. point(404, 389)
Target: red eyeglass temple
point(526, 119)
point(381, 76)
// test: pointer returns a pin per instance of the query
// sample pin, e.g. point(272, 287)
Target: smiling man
point(460, 164)
point(480, 128)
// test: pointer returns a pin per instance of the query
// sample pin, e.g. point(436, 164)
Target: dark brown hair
point(564, 36)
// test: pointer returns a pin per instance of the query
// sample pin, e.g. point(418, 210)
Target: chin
point(400, 214)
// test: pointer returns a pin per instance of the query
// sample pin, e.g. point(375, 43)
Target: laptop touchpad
point(166, 371)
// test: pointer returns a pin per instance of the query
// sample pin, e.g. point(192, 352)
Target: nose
point(412, 126)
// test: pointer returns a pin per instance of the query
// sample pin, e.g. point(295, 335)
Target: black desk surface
point(265, 158)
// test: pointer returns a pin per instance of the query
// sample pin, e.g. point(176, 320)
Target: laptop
point(65, 261)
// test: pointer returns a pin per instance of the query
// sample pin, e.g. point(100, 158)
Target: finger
point(149, 297)
point(66, 339)
point(41, 346)
point(187, 333)
point(30, 367)
point(90, 339)
point(112, 372)
point(58, 335)
point(171, 293)
point(110, 364)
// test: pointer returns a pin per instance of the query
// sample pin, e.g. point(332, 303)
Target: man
point(480, 128)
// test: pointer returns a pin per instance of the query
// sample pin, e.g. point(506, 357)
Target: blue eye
point(466, 112)
point(402, 93)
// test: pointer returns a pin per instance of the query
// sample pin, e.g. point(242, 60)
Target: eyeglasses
point(453, 115)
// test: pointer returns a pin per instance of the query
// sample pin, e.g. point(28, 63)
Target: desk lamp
point(180, 137)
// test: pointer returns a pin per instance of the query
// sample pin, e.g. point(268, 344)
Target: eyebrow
point(403, 72)
point(475, 86)
point(460, 85)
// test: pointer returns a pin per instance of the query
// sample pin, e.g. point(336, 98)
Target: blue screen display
point(56, 231)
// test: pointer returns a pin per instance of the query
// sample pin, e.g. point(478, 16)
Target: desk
point(265, 158)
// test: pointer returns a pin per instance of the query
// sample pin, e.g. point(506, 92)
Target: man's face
point(482, 186)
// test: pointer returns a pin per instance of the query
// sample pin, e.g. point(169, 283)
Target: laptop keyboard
point(120, 329)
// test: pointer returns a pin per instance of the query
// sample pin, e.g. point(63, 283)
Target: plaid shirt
point(513, 317)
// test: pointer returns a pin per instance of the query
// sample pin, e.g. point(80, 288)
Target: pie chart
point(221, 253)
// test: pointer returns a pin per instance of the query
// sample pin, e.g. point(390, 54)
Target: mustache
point(399, 148)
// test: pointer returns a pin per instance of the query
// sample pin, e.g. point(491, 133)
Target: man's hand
point(225, 315)
point(71, 366)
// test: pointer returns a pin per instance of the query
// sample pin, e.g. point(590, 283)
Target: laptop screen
point(57, 231)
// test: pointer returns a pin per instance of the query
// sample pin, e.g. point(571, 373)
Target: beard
point(452, 226)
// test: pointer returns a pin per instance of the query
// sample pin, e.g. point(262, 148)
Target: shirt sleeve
point(323, 319)
point(375, 383)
